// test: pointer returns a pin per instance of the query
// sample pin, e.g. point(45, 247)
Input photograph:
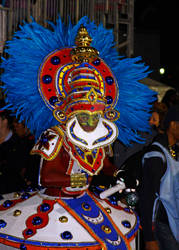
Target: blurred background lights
point(162, 71)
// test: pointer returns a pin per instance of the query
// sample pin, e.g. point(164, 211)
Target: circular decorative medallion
point(86, 206)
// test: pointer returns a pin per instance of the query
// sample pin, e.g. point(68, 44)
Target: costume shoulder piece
point(49, 144)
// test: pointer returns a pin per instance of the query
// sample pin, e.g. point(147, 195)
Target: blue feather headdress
point(32, 43)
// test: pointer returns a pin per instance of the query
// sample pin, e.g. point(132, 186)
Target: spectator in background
point(170, 98)
point(12, 160)
point(159, 193)
point(129, 159)
point(158, 114)
point(31, 169)
point(122, 154)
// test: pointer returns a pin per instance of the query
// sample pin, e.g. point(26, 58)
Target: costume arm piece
point(53, 173)
point(49, 144)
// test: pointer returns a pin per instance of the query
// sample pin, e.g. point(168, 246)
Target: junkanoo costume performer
point(65, 84)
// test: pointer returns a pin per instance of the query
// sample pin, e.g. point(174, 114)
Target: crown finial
point(83, 52)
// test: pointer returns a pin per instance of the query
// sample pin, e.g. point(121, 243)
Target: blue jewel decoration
point(86, 206)
point(25, 196)
point(2, 223)
point(44, 207)
point(66, 235)
point(97, 62)
point(29, 232)
point(7, 203)
point(55, 60)
point(46, 79)
point(53, 100)
point(109, 80)
point(126, 223)
point(43, 139)
point(113, 200)
point(23, 247)
point(126, 209)
point(109, 99)
point(30, 189)
point(37, 220)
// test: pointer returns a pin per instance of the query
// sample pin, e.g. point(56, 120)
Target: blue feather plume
point(33, 42)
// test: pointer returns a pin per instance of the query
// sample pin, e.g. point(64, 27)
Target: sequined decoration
point(2, 223)
point(126, 223)
point(17, 213)
point(108, 210)
point(63, 219)
point(7, 203)
point(23, 247)
point(66, 235)
point(106, 229)
point(86, 206)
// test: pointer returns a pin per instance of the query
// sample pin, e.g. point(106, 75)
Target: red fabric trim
point(42, 215)
point(97, 163)
point(85, 106)
point(14, 202)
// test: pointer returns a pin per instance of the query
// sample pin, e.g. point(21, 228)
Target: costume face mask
point(88, 122)
point(91, 131)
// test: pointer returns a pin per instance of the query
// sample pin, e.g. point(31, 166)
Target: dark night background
point(156, 38)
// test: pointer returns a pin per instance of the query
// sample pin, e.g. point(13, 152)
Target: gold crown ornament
point(83, 52)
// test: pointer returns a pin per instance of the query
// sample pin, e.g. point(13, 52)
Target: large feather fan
point(32, 43)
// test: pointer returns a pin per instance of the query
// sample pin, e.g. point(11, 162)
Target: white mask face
point(104, 134)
